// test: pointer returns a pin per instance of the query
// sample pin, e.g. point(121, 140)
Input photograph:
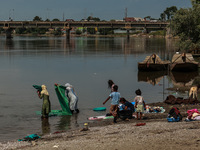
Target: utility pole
point(126, 12)
point(63, 17)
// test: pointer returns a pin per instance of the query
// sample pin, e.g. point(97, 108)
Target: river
point(85, 62)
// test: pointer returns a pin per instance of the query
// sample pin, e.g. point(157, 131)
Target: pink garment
point(190, 112)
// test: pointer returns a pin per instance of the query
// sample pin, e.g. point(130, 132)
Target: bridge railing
point(63, 24)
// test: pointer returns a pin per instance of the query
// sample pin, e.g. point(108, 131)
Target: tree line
point(186, 25)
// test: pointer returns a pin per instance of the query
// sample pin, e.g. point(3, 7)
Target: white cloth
point(73, 99)
point(139, 100)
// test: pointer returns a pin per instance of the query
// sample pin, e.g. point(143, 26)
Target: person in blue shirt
point(126, 109)
point(114, 96)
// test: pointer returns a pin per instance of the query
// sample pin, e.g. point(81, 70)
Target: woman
point(111, 85)
point(73, 99)
point(46, 106)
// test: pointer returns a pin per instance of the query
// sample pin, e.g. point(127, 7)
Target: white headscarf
point(44, 90)
point(68, 85)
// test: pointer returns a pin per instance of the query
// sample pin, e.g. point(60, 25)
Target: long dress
point(73, 99)
point(46, 106)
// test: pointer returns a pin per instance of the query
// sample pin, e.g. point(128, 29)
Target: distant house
point(139, 19)
point(129, 19)
point(69, 20)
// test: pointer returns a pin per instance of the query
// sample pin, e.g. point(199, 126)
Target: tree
point(170, 11)
point(37, 18)
point(147, 17)
point(195, 2)
point(55, 19)
point(90, 18)
point(47, 20)
point(186, 25)
point(163, 16)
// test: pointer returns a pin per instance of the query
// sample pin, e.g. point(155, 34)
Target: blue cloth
point(30, 137)
point(115, 96)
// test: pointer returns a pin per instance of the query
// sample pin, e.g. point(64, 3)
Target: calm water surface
point(86, 63)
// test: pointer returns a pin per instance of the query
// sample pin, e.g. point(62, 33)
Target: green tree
point(170, 11)
point(37, 18)
point(55, 19)
point(195, 2)
point(47, 20)
point(93, 18)
point(186, 25)
point(147, 17)
point(78, 32)
point(163, 16)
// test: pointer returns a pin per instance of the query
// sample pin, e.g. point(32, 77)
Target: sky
point(24, 10)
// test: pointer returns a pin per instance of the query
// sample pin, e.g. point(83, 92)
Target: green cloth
point(38, 87)
point(64, 103)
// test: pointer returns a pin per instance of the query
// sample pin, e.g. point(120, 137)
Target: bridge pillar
point(128, 34)
point(8, 33)
point(147, 30)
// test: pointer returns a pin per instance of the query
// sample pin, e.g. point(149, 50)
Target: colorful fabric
point(190, 113)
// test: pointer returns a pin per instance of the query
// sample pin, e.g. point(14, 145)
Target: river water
point(85, 62)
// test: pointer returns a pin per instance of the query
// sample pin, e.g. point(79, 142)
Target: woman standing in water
point(73, 99)
point(46, 106)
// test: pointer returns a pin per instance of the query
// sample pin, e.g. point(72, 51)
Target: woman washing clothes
point(72, 97)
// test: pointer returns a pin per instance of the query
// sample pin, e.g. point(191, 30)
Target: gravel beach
point(157, 133)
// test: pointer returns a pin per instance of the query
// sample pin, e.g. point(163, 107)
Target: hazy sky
point(80, 9)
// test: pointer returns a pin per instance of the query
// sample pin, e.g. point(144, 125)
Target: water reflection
point(181, 79)
point(9, 44)
point(151, 77)
point(66, 122)
point(83, 45)
point(45, 126)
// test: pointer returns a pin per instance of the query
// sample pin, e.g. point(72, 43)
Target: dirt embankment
point(157, 133)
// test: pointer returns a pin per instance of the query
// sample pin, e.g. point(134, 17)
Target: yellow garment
point(44, 90)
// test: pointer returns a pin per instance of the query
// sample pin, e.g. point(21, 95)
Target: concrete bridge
point(10, 25)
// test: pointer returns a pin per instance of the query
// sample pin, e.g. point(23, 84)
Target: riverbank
point(157, 133)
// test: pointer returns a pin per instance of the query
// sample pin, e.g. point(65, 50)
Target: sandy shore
point(156, 134)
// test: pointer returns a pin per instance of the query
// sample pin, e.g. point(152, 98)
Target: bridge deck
point(63, 24)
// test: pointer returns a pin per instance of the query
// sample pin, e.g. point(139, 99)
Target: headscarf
point(68, 85)
point(44, 90)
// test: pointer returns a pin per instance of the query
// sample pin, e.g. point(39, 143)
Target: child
point(111, 85)
point(115, 96)
point(139, 103)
